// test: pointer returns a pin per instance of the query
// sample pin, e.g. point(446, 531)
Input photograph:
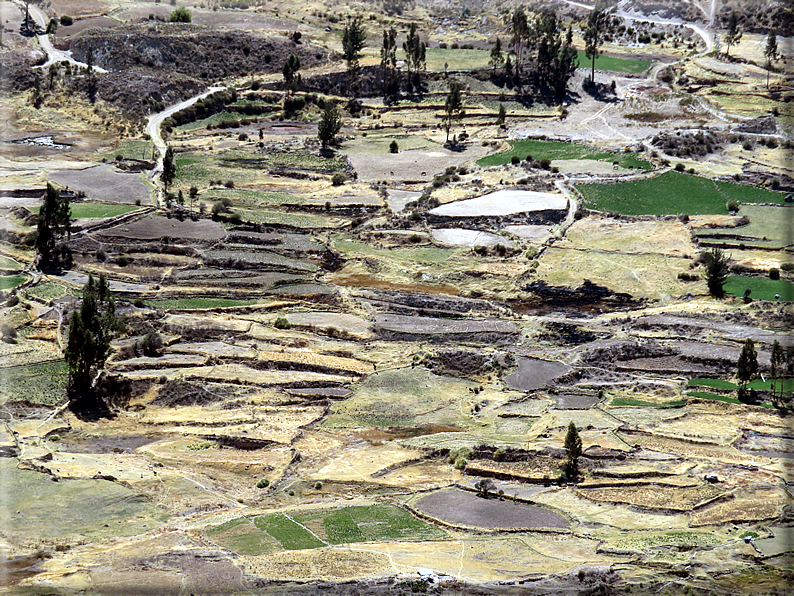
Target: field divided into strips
point(95, 210)
point(246, 168)
point(198, 303)
point(556, 150)
point(761, 288)
point(43, 383)
point(672, 193)
point(306, 530)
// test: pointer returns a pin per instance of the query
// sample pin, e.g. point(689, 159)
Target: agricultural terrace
point(672, 193)
point(555, 150)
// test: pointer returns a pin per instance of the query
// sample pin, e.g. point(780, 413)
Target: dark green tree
point(733, 32)
point(91, 330)
point(52, 27)
point(717, 270)
point(415, 54)
point(557, 58)
point(777, 363)
point(91, 82)
point(453, 107)
point(54, 226)
point(747, 365)
point(193, 194)
point(354, 39)
point(36, 97)
point(770, 53)
point(573, 450)
point(599, 23)
point(497, 55)
point(388, 63)
point(292, 78)
point(520, 33)
point(500, 119)
point(330, 124)
point(180, 15)
point(169, 168)
point(53, 72)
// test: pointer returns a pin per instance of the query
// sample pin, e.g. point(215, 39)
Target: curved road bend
point(153, 128)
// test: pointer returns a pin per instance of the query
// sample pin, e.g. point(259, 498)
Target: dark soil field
point(466, 508)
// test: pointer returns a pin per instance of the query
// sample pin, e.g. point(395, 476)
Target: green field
point(10, 264)
point(713, 383)
point(420, 255)
point(198, 303)
point(246, 168)
point(762, 288)
point(555, 150)
point(671, 193)
point(770, 226)
point(43, 383)
point(614, 64)
point(92, 210)
point(372, 523)
point(12, 281)
point(289, 533)
point(131, 149)
point(455, 59)
point(627, 401)
point(282, 218)
point(313, 529)
point(50, 291)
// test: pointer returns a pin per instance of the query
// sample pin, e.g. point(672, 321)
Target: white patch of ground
point(398, 199)
point(503, 202)
point(529, 232)
point(463, 237)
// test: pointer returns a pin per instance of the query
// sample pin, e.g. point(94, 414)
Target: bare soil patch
point(155, 227)
point(462, 507)
point(103, 183)
point(533, 373)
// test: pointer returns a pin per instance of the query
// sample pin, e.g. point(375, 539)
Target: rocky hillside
point(192, 50)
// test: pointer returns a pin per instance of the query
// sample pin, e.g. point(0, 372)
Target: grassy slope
point(671, 193)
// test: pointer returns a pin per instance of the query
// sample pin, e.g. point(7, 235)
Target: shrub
point(229, 184)
point(122, 261)
point(180, 15)
point(774, 273)
point(291, 493)
point(101, 255)
point(242, 137)
point(338, 179)
point(8, 331)
point(732, 206)
point(747, 145)
point(787, 267)
point(394, 147)
point(152, 344)
point(318, 485)
point(515, 160)
point(499, 454)
point(66, 20)
point(679, 167)
point(139, 303)
point(263, 483)
point(545, 163)
point(282, 323)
